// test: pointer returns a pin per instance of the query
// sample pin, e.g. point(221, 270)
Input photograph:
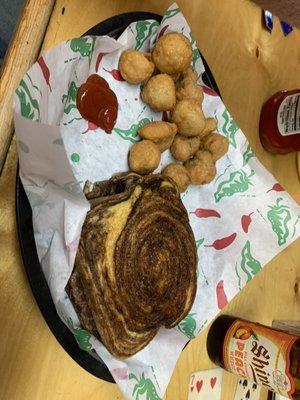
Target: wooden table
point(249, 64)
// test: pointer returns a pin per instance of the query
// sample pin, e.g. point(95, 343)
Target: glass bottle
point(279, 126)
point(267, 356)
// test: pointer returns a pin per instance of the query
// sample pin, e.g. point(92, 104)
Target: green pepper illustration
point(238, 276)
point(36, 199)
point(58, 141)
point(69, 99)
point(249, 264)
point(188, 326)
point(295, 224)
point(72, 120)
point(29, 106)
point(84, 46)
point(72, 188)
point(196, 54)
point(32, 84)
point(248, 154)
point(23, 146)
point(144, 30)
point(82, 338)
point(229, 128)
point(279, 216)
point(81, 335)
point(238, 182)
point(199, 242)
point(170, 14)
point(144, 386)
point(132, 132)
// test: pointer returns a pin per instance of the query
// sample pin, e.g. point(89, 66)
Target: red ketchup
point(279, 127)
point(97, 103)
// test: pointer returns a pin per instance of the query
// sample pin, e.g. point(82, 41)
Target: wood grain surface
point(23, 51)
point(249, 65)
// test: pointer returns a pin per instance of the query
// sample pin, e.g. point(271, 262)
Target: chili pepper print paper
point(232, 218)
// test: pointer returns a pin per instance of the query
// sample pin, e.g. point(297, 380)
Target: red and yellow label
point(260, 354)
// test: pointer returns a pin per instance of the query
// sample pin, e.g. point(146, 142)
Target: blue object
point(9, 13)
point(268, 19)
point(286, 28)
point(3, 47)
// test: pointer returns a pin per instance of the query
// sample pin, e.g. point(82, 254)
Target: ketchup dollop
point(279, 127)
point(97, 103)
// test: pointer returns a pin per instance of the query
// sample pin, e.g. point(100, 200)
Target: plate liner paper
point(233, 218)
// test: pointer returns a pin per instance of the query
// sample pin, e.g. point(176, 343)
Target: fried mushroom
point(183, 148)
point(144, 157)
point(189, 117)
point(201, 168)
point(210, 126)
point(172, 53)
point(216, 144)
point(187, 87)
point(160, 132)
point(179, 174)
point(159, 93)
point(190, 91)
point(135, 67)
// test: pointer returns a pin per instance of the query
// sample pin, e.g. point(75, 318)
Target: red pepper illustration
point(220, 244)
point(276, 187)
point(162, 31)
point(91, 127)
point(98, 61)
point(246, 221)
point(209, 91)
point(221, 295)
point(45, 71)
point(115, 73)
point(205, 213)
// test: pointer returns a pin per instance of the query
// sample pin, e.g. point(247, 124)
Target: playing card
point(206, 385)
point(247, 390)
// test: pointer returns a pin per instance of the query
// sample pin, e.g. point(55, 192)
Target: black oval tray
point(113, 27)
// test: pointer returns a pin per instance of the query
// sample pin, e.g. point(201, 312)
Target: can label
point(260, 354)
point(288, 116)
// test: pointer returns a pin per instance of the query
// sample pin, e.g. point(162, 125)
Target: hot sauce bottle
point(279, 127)
point(267, 356)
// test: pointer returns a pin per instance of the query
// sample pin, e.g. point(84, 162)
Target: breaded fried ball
point(135, 67)
point(210, 125)
point(183, 148)
point(190, 74)
point(160, 132)
point(187, 87)
point(172, 53)
point(190, 91)
point(201, 168)
point(176, 77)
point(189, 117)
point(216, 144)
point(187, 77)
point(159, 93)
point(144, 157)
point(179, 175)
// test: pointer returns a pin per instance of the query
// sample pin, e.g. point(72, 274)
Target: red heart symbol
point(213, 382)
point(199, 385)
